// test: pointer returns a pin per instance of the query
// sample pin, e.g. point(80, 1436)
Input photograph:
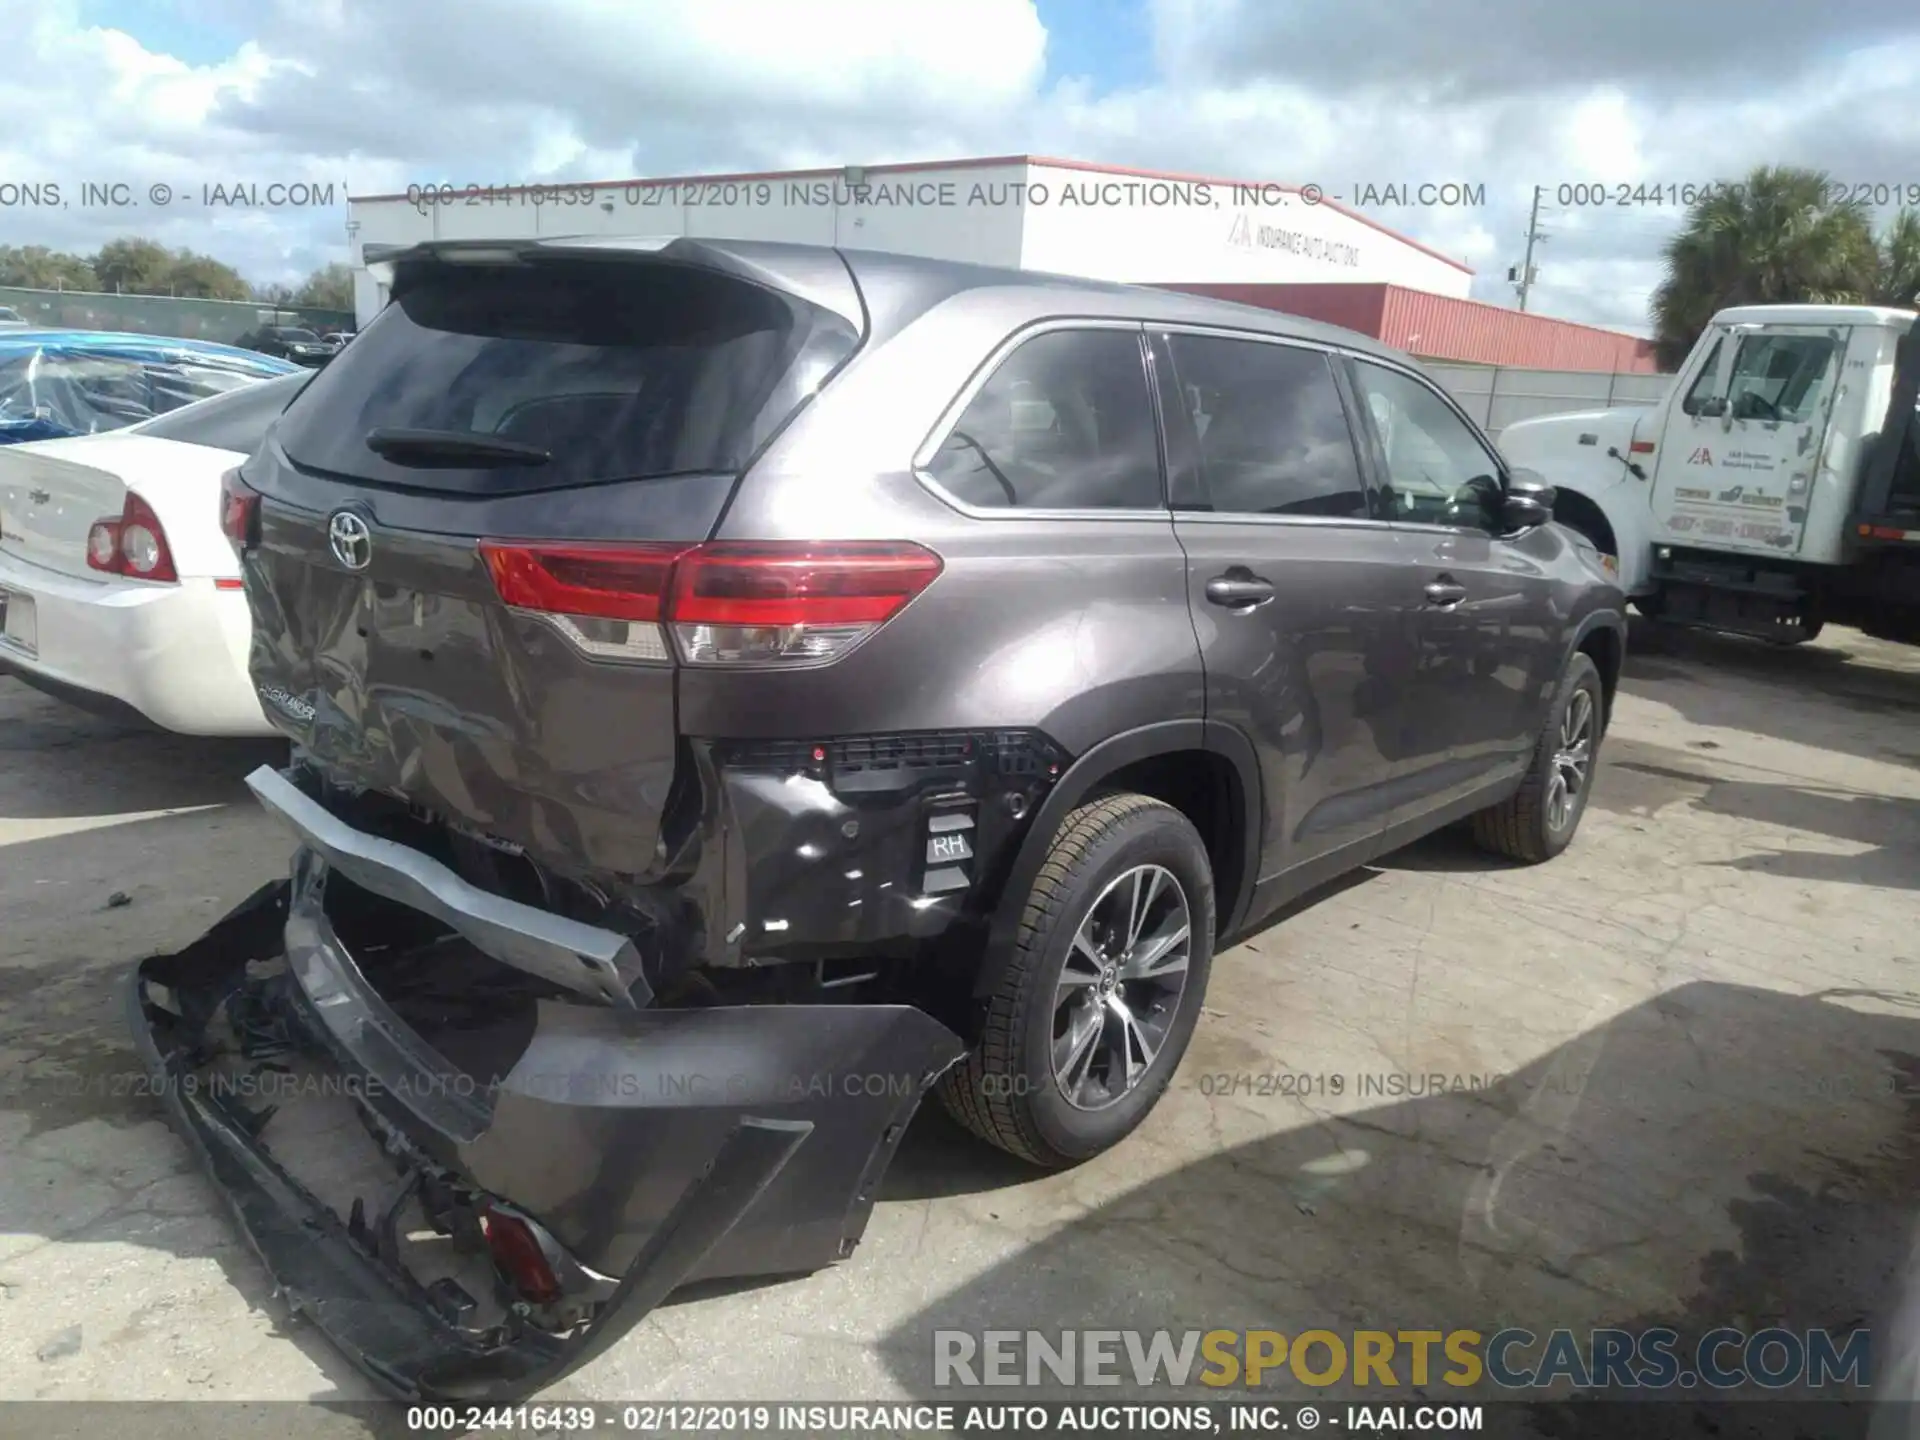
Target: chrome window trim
point(1314, 522)
point(987, 369)
point(1223, 332)
point(1435, 527)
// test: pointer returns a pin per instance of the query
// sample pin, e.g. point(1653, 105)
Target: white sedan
point(118, 588)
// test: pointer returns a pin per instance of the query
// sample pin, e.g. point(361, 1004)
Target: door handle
point(1445, 594)
point(1239, 592)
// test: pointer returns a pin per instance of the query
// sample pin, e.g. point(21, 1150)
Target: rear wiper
point(429, 448)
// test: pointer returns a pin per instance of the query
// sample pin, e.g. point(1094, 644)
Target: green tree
point(206, 278)
point(133, 265)
point(328, 288)
point(1776, 238)
point(142, 267)
point(1900, 261)
point(38, 268)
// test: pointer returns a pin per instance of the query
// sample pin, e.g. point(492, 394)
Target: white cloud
point(374, 97)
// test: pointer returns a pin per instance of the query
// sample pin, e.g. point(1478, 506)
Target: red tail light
point(131, 543)
point(726, 602)
point(239, 512)
point(516, 1250)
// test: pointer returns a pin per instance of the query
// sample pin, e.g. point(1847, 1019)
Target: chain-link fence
point(219, 320)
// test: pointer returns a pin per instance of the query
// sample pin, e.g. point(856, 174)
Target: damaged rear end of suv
point(621, 973)
point(738, 688)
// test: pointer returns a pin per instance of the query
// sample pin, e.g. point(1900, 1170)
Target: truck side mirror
point(1529, 500)
point(1712, 407)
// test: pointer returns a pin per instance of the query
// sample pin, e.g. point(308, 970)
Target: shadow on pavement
point(1884, 829)
point(1795, 693)
point(86, 766)
point(1715, 1156)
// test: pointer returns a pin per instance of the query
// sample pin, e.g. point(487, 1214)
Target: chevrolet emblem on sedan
point(349, 539)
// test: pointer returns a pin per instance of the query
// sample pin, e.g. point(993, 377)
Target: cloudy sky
point(372, 97)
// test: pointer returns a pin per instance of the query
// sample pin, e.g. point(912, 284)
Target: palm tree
point(1900, 261)
point(1775, 238)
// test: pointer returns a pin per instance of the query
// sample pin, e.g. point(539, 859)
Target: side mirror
point(1528, 503)
point(1711, 408)
point(1478, 501)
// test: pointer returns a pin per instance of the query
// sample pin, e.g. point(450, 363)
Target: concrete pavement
point(1664, 1079)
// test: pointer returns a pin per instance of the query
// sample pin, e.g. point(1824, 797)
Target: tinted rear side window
point(618, 369)
point(1065, 423)
point(237, 420)
point(1273, 433)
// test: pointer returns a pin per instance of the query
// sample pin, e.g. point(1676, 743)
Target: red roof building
point(1443, 328)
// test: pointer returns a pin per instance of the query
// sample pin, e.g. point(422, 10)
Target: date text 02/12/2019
point(1366, 1084)
point(1117, 1420)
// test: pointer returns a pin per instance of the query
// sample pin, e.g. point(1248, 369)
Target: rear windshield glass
point(617, 370)
point(237, 420)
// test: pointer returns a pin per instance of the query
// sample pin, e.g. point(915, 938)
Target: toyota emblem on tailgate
point(349, 539)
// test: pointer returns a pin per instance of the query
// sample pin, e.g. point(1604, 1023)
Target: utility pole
point(1533, 237)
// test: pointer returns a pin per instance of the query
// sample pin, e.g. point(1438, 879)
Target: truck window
point(1781, 377)
point(1703, 386)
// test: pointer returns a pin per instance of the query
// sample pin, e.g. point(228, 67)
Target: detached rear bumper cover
point(656, 1146)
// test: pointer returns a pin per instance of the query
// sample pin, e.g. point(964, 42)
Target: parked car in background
point(56, 383)
point(117, 589)
point(838, 673)
point(12, 319)
point(290, 342)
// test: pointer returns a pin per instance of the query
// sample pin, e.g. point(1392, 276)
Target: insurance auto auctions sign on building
point(1061, 216)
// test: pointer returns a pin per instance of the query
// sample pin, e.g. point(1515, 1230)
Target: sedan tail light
point(132, 543)
point(239, 512)
point(723, 602)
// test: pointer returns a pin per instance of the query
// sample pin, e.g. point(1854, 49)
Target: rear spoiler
point(816, 274)
point(1897, 432)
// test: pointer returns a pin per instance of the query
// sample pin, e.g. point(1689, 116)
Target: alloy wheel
point(1119, 991)
point(1572, 760)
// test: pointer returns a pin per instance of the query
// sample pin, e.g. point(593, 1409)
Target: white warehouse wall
point(922, 212)
point(1129, 227)
point(1137, 229)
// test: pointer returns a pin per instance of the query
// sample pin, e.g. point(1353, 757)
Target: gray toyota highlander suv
point(738, 687)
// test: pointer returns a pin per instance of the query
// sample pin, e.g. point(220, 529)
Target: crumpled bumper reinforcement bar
point(572, 955)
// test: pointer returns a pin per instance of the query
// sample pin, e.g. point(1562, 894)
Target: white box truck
point(1775, 488)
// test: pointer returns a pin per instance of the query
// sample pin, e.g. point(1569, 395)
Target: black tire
point(1523, 827)
point(1006, 1090)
